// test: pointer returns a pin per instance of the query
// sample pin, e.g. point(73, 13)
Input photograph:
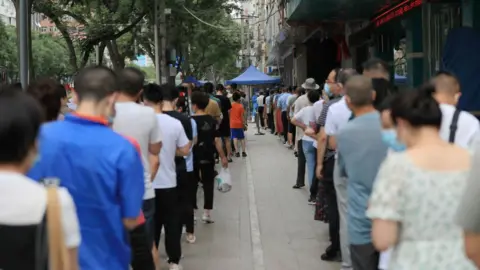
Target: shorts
point(237, 133)
point(291, 128)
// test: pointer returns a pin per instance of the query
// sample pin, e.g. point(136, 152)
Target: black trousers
point(186, 184)
point(205, 174)
point(332, 206)
point(301, 164)
point(271, 124)
point(315, 181)
point(167, 215)
point(142, 258)
point(260, 113)
point(285, 125)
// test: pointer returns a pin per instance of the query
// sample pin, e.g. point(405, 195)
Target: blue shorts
point(237, 133)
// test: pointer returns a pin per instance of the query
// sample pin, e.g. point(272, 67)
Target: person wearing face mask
point(93, 162)
point(459, 127)
point(417, 191)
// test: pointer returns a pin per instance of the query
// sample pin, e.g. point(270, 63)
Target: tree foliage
point(50, 56)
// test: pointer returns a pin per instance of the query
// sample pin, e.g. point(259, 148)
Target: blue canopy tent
point(252, 76)
point(191, 79)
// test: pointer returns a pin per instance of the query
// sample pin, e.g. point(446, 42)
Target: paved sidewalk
point(262, 224)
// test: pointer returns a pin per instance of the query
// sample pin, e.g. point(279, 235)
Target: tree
point(201, 46)
point(49, 54)
point(97, 23)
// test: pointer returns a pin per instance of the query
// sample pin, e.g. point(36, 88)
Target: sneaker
point(190, 238)
point(312, 201)
point(297, 186)
point(237, 154)
point(230, 160)
point(287, 145)
point(174, 266)
point(207, 219)
point(244, 154)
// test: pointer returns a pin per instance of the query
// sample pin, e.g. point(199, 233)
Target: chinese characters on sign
point(396, 11)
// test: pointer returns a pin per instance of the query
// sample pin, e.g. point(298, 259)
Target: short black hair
point(48, 93)
point(375, 64)
point(234, 86)
point(313, 96)
point(96, 83)
point(131, 81)
point(152, 92)
point(169, 92)
point(418, 107)
point(236, 96)
point(20, 123)
point(208, 87)
point(220, 87)
point(200, 99)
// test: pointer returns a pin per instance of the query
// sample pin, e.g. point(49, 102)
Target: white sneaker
point(207, 219)
point(190, 238)
point(174, 266)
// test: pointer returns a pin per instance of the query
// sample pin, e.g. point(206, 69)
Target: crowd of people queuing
point(122, 162)
point(394, 173)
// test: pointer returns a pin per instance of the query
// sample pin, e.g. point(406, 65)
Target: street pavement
point(262, 223)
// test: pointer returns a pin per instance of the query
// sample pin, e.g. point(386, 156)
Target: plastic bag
point(224, 181)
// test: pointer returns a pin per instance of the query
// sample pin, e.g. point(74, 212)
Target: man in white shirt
point(300, 103)
point(140, 123)
point(459, 127)
point(175, 143)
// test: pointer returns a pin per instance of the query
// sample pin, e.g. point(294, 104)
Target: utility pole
point(242, 40)
point(23, 43)
point(156, 34)
point(249, 46)
point(163, 41)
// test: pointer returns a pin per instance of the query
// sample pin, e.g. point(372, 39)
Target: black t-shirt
point(203, 151)
point(226, 106)
point(180, 163)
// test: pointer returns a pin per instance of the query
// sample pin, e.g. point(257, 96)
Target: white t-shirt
point(174, 137)
point(24, 201)
point(300, 103)
point(260, 101)
point(139, 122)
point(317, 108)
point(307, 117)
point(467, 126)
point(337, 116)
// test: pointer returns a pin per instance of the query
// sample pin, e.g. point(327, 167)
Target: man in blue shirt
point(101, 169)
point(360, 153)
point(283, 107)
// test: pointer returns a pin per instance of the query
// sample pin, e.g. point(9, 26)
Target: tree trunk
point(118, 60)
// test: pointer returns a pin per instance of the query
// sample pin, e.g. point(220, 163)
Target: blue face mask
point(389, 137)
point(110, 120)
point(326, 87)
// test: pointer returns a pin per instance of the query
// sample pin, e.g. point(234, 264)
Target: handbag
point(57, 250)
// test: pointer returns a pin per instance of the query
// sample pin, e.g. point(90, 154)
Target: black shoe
point(331, 257)
point(230, 160)
point(244, 154)
point(295, 154)
point(237, 154)
point(297, 186)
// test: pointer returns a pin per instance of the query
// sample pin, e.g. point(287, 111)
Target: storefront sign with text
point(396, 11)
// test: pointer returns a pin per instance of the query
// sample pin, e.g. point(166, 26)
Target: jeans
point(310, 153)
point(148, 209)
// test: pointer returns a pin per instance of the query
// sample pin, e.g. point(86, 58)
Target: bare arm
point(321, 146)
point(472, 247)
point(154, 165)
point(154, 148)
point(298, 124)
point(183, 151)
point(384, 234)
point(73, 256)
point(130, 223)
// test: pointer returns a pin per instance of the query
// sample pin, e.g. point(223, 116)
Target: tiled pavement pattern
point(287, 239)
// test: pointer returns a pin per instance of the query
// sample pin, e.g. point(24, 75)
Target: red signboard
point(396, 11)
